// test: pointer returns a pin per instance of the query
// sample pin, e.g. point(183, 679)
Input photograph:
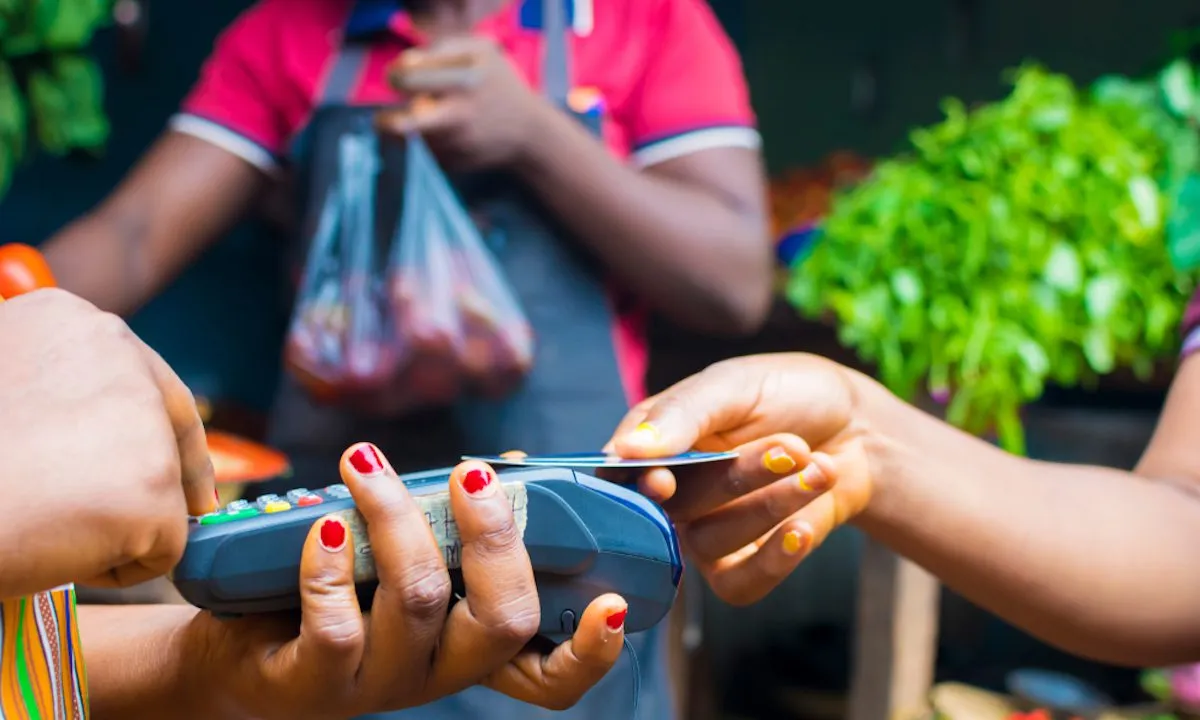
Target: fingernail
point(217, 497)
point(645, 434)
point(366, 460)
point(793, 542)
point(778, 461)
point(332, 535)
point(811, 479)
point(476, 481)
point(616, 620)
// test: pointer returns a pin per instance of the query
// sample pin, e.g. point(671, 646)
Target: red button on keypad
point(309, 500)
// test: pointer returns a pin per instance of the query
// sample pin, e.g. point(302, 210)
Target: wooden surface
point(895, 638)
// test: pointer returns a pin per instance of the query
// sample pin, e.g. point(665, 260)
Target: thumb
point(716, 400)
point(332, 634)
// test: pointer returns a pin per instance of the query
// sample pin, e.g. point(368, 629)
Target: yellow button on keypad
point(276, 506)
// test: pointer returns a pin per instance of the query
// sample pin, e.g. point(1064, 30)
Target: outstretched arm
point(1100, 562)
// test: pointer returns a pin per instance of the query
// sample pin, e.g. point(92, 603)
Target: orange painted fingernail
point(793, 542)
point(778, 461)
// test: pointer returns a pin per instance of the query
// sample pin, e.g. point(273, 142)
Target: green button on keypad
point(218, 518)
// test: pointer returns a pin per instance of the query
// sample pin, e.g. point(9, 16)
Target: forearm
point(97, 258)
point(1093, 560)
point(136, 666)
point(182, 196)
point(696, 257)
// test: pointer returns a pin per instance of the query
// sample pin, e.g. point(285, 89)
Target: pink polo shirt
point(669, 80)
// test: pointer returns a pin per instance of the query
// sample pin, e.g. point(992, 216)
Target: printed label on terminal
point(441, 521)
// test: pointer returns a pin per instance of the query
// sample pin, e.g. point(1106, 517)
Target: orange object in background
point(804, 195)
point(23, 269)
point(237, 460)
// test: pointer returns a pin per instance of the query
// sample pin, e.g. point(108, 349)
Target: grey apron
point(571, 400)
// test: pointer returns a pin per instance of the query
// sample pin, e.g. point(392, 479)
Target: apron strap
point(343, 77)
point(556, 63)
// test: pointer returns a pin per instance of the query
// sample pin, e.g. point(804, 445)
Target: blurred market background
point(838, 88)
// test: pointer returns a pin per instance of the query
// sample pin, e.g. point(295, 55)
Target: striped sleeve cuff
point(226, 139)
point(676, 146)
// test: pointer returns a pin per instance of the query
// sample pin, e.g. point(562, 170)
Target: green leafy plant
point(1020, 243)
point(49, 88)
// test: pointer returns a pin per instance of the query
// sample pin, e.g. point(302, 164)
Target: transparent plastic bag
point(455, 312)
point(340, 343)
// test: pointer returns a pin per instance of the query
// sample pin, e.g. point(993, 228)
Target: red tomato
point(22, 270)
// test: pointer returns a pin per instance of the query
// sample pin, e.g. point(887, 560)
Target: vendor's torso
point(589, 358)
point(604, 72)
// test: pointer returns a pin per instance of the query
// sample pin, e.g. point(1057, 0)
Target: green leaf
point(1183, 228)
point(1102, 296)
point(1063, 270)
point(1009, 431)
point(1179, 87)
point(1098, 349)
point(1144, 194)
point(907, 286)
point(1037, 362)
point(1156, 684)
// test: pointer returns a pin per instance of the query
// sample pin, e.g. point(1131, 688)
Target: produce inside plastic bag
point(340, 344)
point(456, 315)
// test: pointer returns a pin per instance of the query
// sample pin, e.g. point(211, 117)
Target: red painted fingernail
point(616, 620)
point(366, 461)
point(476, 481)
point(333, 535)
point(217, 497)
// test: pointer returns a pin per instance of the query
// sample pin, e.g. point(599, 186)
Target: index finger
point(501, 611)
point(447, 65)
point(456, 50)
point(423, 115)
point(196, 468)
